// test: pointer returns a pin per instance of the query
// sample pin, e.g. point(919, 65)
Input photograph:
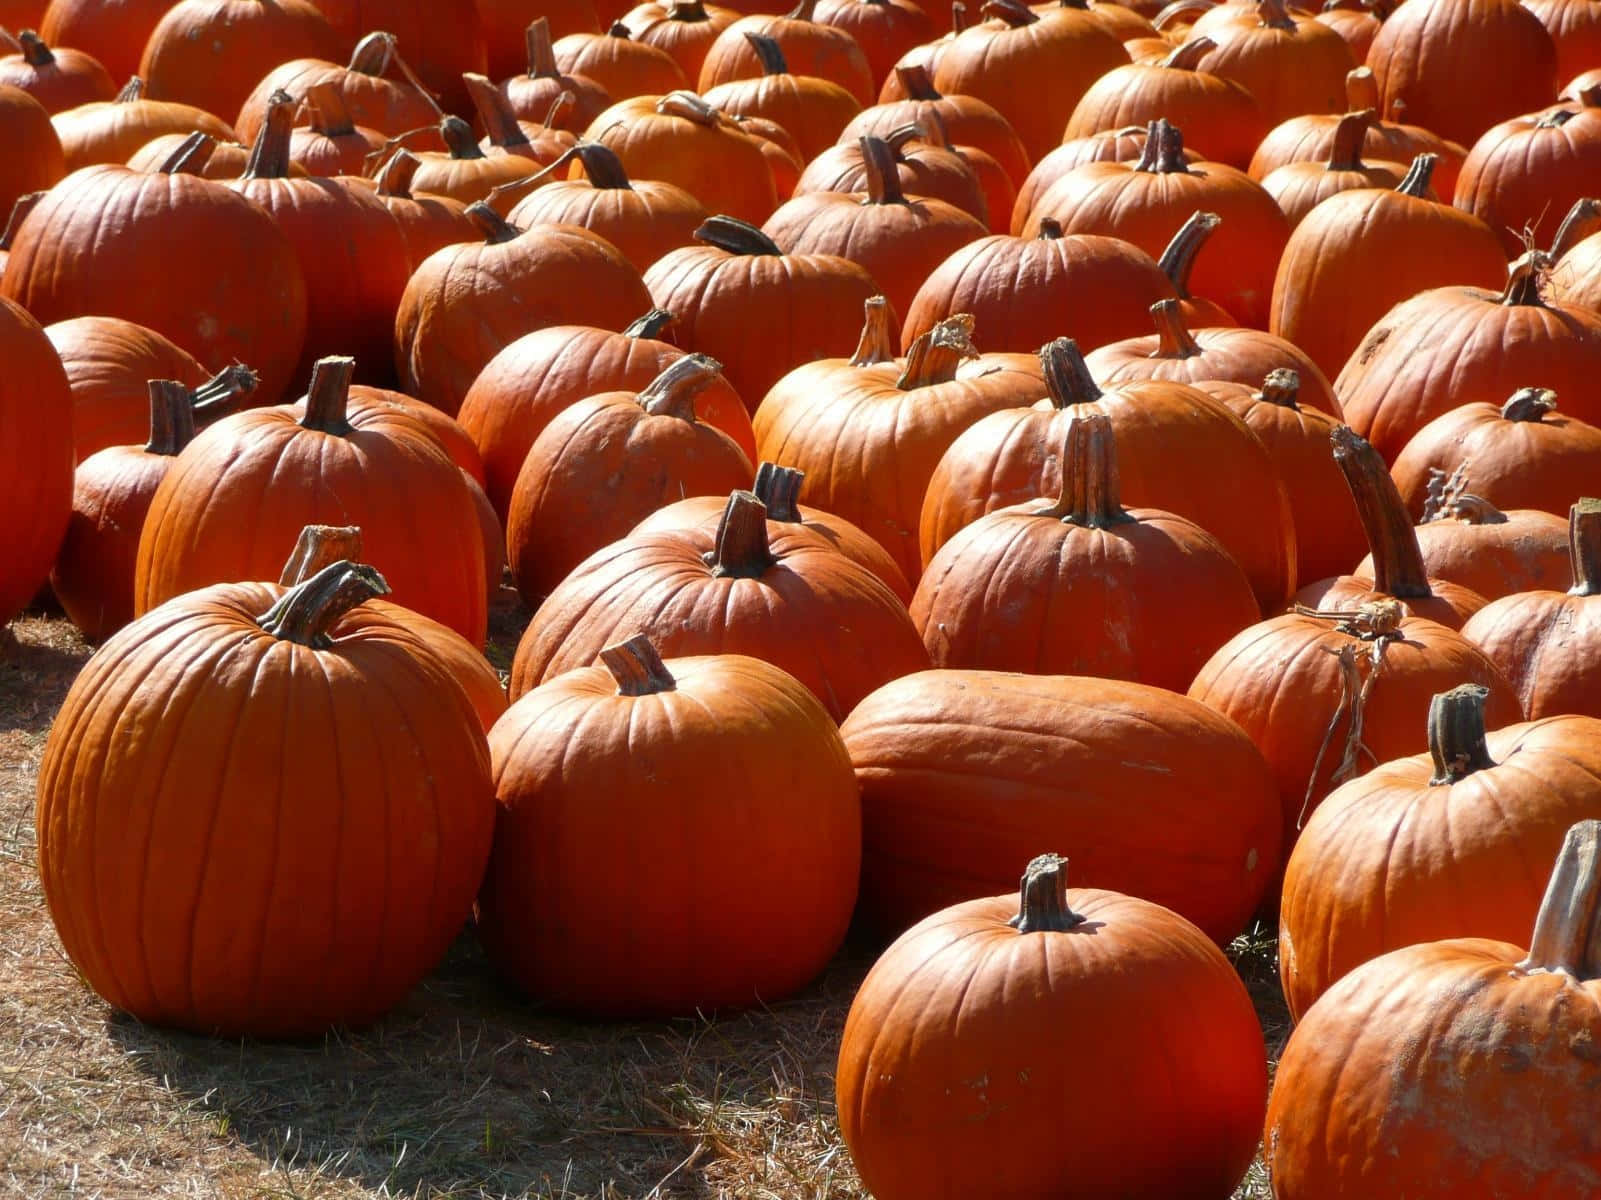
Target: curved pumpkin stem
point(673, 392)
point(917, 83)
point(394, 179)
point(329, 114)
point(735, 236)
point(1584, 544)
point(1456, 734)
point(373, 54)
point(1091, 495)
point(935, 356)
point(602, 167)
point(541, 50)
point(24, 205)
point(1345, 152)
point(319, 546)
point(495, 114)
point(495, 228)
point(172, 417)
point(328, 395)
point(269, 156)
point(1529, 404)
point(779, 489)
point(306, 612)
point(768, 53)
point(652, 325)
point(1418, 177)
point(1450, 500)
point(637, 667)
point(1178, 257)
point(877, 343)
point(1042, 906)
point(1567, 931)
point(1173, 340)
point(1163, 152)
point(191, 156)
point(883, 176)
point(33, 49)
point(131, 91)
point(1397, 560)
point(742, 548)
point(690, 107)
point(1014, 13)
point(1282, 387)
point(1067, 375)
point(1275, 14)
point(1576, 226)
point(1361, 89)
point(1523, 279)
point(1188, 56)
point(219, 394)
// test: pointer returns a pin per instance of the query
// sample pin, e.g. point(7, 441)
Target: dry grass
point(463, 1092)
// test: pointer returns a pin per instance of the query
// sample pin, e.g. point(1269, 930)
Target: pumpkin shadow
point(467, 1089)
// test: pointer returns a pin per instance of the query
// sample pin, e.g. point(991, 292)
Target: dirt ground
point(465, 1091)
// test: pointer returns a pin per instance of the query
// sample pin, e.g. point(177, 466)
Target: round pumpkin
point(1290, 62)
point(924, 164)
point(812, 48)
point(1299, 187)
point(812, 109)
point(685, 29)
point(439, 45)
point(110, 131)
point(33, 161)
point(114, 33)
point(427, 222)
point(57, 78)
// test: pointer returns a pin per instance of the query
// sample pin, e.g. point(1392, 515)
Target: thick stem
point(495, 228)
point(269, 157)
point(24, 205)
point(172, 417)
point(637, 667)
point(1163, 152)
point(191, 156)
point(219, 394)
point(1523, 279)
point(602, 166)
point(959, 20)
point(1555, 120)
point(779, 489)
point(1567, 931)
point(1050, 230)
point(306, 612)
point(373, 55)
point(769, 53)
point(494, 114)
point(1178, 258)
point(912, 131)
point(1418, 177)
point(652, 325)
point(877, 343)
point(1188, 56)
point(1529, 404)
point(735, 236)
point(1361, 89)
point(742, 548)
point(330, 117)
point(34, 52)
point(1090, 495)
point(317, 547)
point(935, 356)
point(1576, 226)
point(1345, 154)
point(133, 90)
point(1042, 906)
point(541, 50)
point(396, 176)
point(1275, 14)
point(688, 106)
point(1456, 733)
point(917, 83)
point(618, 30)
point(1173, 340)
point(1584, 544)
point(1015, 14)
point(687, 10)
point(883, 175)
point(1397, 560)
point(673, 392)
point(328, 395)
point(1067, 375)
point(1282, 387)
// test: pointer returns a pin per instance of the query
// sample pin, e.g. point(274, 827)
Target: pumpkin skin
point(330, 143)
point(1492, 553)
point(1111, 145)
point(1575, 31)
point(56, 78)
point(532, 95)
point(251, 482)
point(1434, 845)
point(1429, 1031)
point(924, 167)
point(221, 161)
point(113, 31)
point(884, 29)
point(624, 67)
point(917, 1123)
point(944, 812)
point(1572, 282)
point(374, 100)
point(685, 29)
point(1083, 586)
point(33, 161)
point(1291, 63)
point(677, 756)
point(812, 109)
point(784, 599)
point(110, 131)
point(282, 746)
point(86, 249)
point(427, 223)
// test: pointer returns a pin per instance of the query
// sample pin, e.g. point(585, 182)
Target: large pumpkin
point(812, 48)
point(812, 109)
point(427, 222)
point(1299, 187)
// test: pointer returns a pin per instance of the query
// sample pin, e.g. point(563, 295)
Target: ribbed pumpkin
point(531, 94)
point(788, 599)
point(1083, 586)
point(1577, 250)
point(944, 812)
point(929, 1112)
point(375, 90)
point(812, 109)
point(239, 298)
point(1546, 641)
point(197, 154)
point(1524, 453)
point(811, 47)
point(465, 171)
point(1290, 62)
point(110, 131)
point(1112, 145)
point(685, 29)
point(1361, 252)
point(1357, 21)
point(884, 29)
point(330, 143)
point(250, 483)
point(57, 78)
point(676, 773)
point(1299, 187)
point(427, 222)
point(273, 756)
point(1174, 443)
point(760, 312)
point(925, 166)
point(440, 45)
point(114, 33)
point(624, 67)
point(617, 456)
point(1473, 1054)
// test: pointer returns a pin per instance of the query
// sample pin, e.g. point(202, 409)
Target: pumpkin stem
point(396, 176)
point(883, 176)
point(373, 54)
point(602, 166)
point(1014, 13)
point(34, 52)
point(494, 114)
point(917, 83)
point(1345, 152)
point(652, 325)
point(222, 391)
point(877, 343)
point(806, 10)
point(1042, 906)
point(673, 392)
point(1529, 404)
point(330, 117)
point(735, 236)
point(689, 106)
point(1163, 152)
point(1275, 14)
point(637, 667)
point(172, 417)
point(133, 90)
point(742, 549)
point(1090, 496)
point(1282, 387)
point(328, 395)
point(306, 612)
point(1555, 120)
point(779, 489)
point(959, 21)
point(1456, 734)
point(495, 228)
point(1050, 230)
point(687, 10)
point(1173, 340)
point(541, 50)
point(269, 156)
point(1178, 257)
point(935, 356)
point(1418, 177)
point(769, 53)
point(1449, 500)
point(1584, 544)
point(1188, 56)
point(1067, 375)
point(1361, 89)
point(317, 547)
point(1567, 931)
point(24, 205)
point(1576, 226)
point(191, 155)
point(1523, 279)
point(1397, 560)
point(912, 131)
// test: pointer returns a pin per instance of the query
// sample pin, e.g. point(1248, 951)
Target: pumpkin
point(251, 482)
point(869, 431)
point(943, 812)
point(19, 213)
point(1228, 354)
point(1146, 201)
point(1452, 843)
point(331, 143)
point(1413, 1048)
point(928, 1112)
point(465, 303)
point(33, 160)
point(1574, 30)
point(1577, 250)
point(1544, 640)
point(1111, 145)
point(1083, 586)
point(1299, 187)
point(1220, 114)
point(685, 29)
point(110, 131)
point(624, 67)
point(308, 738)
point(197, 154)
point(1524, 453)
point(1435, 56)
point(812, 109)
point(924, 165)
point(373, 99)
point(810, 46)
point(238, 296)
point(1022, 290)
point(678, 755)
point(1357, 21)
point(439, 45)
point(1290, 62)
point(1361, 252)
point(619, 456)
point(884, 29)
point(427, 223)
point(682, 140)
point(778, 488)
point(115, 34)
point(1122, 21)
point(738, 590)
point(1165, 432)
point(898, 239)
point(57, 78)
point(739, 298)
point(465, 171)
point(531, 94)
point(506, 22)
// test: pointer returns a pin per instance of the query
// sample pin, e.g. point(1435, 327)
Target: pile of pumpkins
point(933, 445)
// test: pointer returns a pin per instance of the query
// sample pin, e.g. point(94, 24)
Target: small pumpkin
point(109, 131)
point(624, 67)
point(114, 34)
point(427, 222)
point(374, 86)
point(1299, 187)
point(58, 78)
point(812, 109)
point(810, 46)
point(685, 29)
point(1289, 61)
point(924, 164)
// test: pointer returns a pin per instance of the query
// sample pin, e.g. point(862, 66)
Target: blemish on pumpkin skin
point(1371, 346)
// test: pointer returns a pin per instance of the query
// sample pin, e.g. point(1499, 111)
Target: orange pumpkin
point(685, 29)
point(624, 67)
point(371, 94)
point(531, 94)
point(1290, 62)
point(812, 109)
point(113, 33)
point(110, 131)
point(427, 222)
point(925, 165)
point(811, 47)
point(57, 78)
point(1299, 187)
